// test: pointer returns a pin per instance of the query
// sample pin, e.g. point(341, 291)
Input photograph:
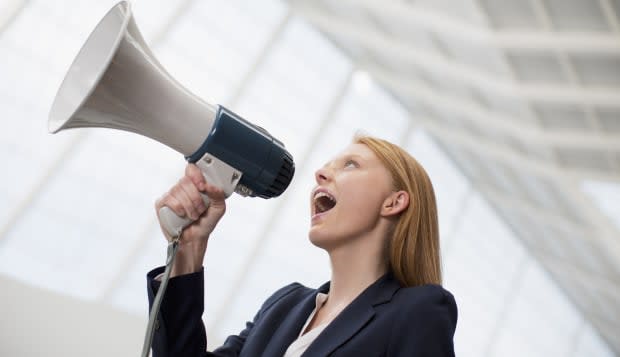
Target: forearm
point(179, 330)
point(189, 258)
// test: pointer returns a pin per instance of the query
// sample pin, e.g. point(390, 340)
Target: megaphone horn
point(116, 82)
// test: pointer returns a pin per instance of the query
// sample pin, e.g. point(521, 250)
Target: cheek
point(361, 203)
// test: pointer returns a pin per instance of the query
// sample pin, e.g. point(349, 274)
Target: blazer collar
point(289, 329)
point(354, 317)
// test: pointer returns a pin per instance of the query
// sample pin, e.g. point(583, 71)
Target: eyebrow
point(353, 156)
point(344, 157)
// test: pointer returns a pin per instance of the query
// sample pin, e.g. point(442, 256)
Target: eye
point(350, 164)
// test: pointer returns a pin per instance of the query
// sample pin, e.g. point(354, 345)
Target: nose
point(322, 175)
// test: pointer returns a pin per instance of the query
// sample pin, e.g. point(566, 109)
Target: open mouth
point(323, 202)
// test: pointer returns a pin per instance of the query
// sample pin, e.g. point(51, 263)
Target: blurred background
point(512, 106)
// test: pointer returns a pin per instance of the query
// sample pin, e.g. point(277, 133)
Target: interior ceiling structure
point(524, 96)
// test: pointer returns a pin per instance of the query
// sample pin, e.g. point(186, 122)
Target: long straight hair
point(413, 248)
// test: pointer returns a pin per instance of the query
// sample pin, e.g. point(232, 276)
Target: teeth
point(324, 194)
point(320, 204)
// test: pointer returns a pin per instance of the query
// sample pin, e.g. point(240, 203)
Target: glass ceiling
point(76, 212)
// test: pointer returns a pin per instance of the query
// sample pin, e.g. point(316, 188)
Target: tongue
point(324, 204)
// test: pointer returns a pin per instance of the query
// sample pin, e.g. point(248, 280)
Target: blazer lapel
point(353, 318)
point(289, 329)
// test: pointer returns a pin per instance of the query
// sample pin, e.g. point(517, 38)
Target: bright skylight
point(76, 211)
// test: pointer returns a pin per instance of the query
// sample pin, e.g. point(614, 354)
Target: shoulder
point(294, 291)
point(427, 297)
point(426, 294)
point(423, 322)
point(429, 303)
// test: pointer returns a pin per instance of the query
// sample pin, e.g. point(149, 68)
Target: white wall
point(37, 322)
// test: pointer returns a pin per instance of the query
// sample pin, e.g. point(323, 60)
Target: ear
point(395, 203)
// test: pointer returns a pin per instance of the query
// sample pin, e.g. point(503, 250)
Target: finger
point(194, 195)
point(195, 175)
point(217, 198)
point(170, 201)
point(184, 198)
point(215, 193)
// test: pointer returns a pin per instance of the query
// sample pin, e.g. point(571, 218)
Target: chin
point(324, 240)
point(315, 237)
point(318, 238)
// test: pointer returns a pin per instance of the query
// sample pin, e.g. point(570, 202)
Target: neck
point(355, 266)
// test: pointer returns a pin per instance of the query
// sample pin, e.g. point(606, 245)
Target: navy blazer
point(384, 320)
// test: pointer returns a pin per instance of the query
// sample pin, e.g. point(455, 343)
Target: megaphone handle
point(172, 223)
point(217, 173)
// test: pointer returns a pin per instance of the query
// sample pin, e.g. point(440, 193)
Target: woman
point(373, 210)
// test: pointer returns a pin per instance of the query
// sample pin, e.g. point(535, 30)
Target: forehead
point(356, 150)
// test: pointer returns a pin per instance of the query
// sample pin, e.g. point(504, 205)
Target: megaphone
point(116, 82)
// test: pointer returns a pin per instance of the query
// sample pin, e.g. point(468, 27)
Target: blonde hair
point(413, 249)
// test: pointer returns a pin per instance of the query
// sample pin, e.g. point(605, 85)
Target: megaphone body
point(116, 82)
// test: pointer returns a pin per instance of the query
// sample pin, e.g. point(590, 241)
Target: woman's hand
point(185, 200)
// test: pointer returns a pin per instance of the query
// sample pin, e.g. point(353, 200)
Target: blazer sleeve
point(179, 328)
point(425, 326)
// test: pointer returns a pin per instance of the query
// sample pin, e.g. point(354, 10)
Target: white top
point(299, 346)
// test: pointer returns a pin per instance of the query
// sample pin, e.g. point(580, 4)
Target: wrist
point(189, 259)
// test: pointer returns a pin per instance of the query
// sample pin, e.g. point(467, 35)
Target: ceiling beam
point(532, 212)
point(592, 233)
point(158, 38)
point(390, 47)
point(498, 152)
point(480, 116)
point(236, 284)
point(568, 68)
point(598, 284)
point(511, 40)
point(9, 10)
point(610, 15)
point(586, 290)
point(593, 215)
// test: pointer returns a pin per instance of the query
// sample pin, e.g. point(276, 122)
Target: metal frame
point(458, 72)
point(380, 47)
point(10, 12)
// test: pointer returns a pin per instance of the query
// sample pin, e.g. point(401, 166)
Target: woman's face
point(347, 201)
